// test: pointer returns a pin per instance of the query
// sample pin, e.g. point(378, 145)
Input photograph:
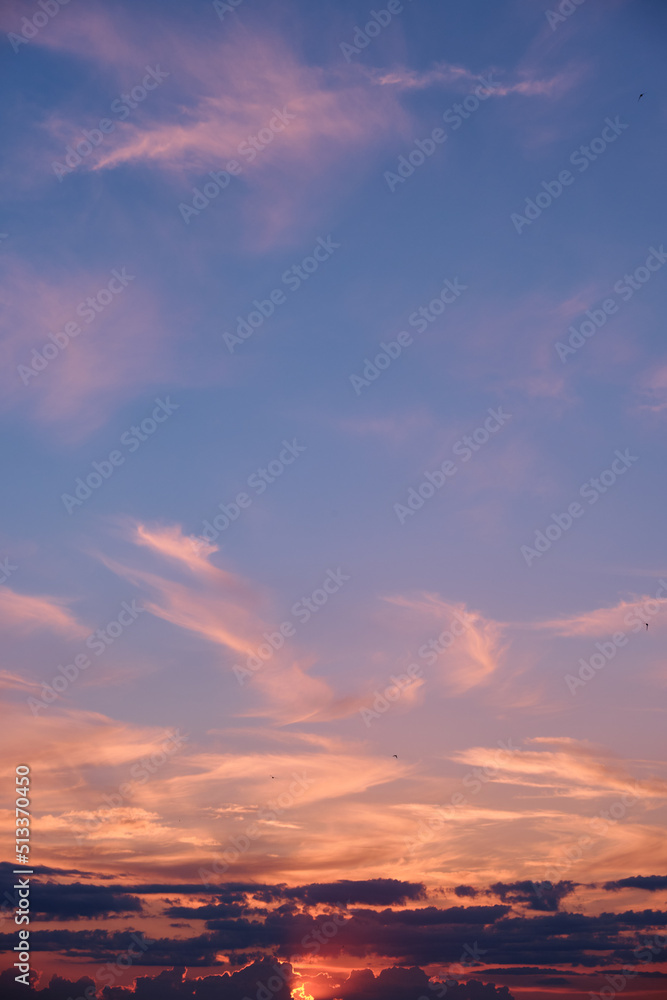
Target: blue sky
point(330, 131)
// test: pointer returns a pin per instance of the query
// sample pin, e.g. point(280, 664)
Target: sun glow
point(299, 993)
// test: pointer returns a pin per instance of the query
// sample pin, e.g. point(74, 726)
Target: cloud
point(71, 901)
point(605, 621)
point(650, 883)
point(538, 896)
point(375, 891)
point(214, 603)
point(573, 769)
point(472, 649)
point(28, 613)
point(79, 386)
point(462, 79)
point(225, 87)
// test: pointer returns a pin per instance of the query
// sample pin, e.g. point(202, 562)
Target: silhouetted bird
point(395, 755)
point(646, 623)
point(640, 97)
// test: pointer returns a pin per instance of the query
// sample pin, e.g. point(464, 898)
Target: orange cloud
point(469, 648)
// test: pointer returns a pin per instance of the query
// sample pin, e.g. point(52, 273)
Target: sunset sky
point(333, 398)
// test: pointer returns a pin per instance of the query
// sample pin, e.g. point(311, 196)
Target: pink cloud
point(29, 613)
point(627, 614)
point(449, 75)
point(223, 87)
point(473, 648)
point(81, 378)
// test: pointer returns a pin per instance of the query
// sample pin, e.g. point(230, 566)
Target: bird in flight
point(395, 755)
point(272, 776)
point(646, 623)
point(640, 97)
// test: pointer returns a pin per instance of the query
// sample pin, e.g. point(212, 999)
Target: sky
point(333, 405)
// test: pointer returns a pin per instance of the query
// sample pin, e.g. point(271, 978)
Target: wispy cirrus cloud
point(76, 385)
point(477, 644)
point(28, 613)
point(444, 74)
point(604, 621)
